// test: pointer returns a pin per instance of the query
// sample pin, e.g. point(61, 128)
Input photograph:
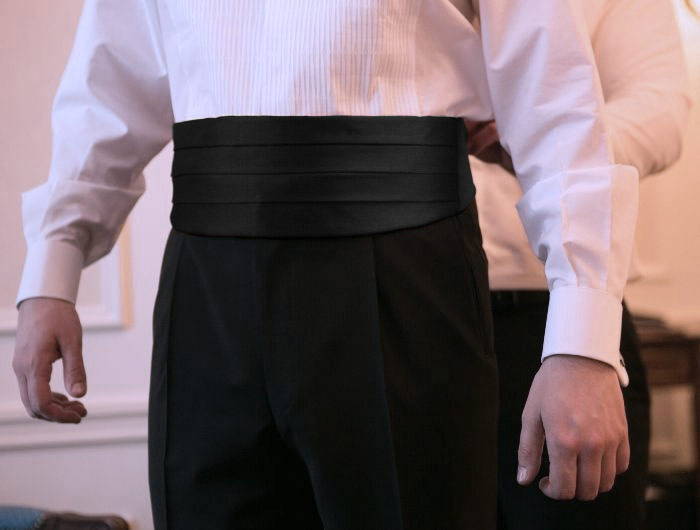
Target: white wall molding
point(109, 421)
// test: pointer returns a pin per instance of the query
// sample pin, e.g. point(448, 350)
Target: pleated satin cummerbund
point(316, 176)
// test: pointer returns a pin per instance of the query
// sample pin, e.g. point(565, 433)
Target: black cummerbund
point(315, 176)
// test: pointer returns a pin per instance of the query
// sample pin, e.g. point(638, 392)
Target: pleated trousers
point(323, 359)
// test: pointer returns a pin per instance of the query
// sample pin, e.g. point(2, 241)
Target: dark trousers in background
point(343, 383)
point(519, 323)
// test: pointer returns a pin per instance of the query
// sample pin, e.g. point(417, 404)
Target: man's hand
point(576, 404)
point(483, 143)
point(49, 329)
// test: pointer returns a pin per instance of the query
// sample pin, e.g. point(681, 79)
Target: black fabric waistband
point(316, 176)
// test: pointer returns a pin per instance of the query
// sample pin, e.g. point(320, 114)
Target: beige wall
point(669, 239)
point(100, 465)
point(669, 226)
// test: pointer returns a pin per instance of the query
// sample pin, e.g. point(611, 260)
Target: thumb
point(74, 377)
point(530, 448)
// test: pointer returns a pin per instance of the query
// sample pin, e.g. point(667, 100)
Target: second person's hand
point(483, 142)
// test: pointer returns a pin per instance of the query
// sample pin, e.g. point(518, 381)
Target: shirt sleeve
point(644, 78)
point(578, 207)
point(111, 115)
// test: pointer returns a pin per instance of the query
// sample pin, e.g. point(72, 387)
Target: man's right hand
point(49, 329)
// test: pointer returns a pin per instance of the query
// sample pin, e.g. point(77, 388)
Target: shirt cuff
point(52, 269)
point(586, 322)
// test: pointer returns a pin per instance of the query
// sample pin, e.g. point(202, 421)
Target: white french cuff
point(52, 268)
point(586, 322)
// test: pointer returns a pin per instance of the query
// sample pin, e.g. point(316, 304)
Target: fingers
point(75, 405)
point(581, 405)
point(530, 448)
point(577, 470)
point(485, 137)
point(74, 377)
point(41, 399)
point(480, 134)
point(607, 471)
point(623, 455)
point(38, 375)
point(561, 482)
point(41, 403)
point(582, 470)
point(589, 473)
point(24, 395)
point(49, 329)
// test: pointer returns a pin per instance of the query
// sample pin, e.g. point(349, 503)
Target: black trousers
point(519, 321)
point(337, 382)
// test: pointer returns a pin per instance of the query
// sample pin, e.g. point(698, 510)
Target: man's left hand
point(576, 404)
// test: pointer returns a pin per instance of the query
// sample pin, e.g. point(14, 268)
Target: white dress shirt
point(639, 53)
point(139, 65)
